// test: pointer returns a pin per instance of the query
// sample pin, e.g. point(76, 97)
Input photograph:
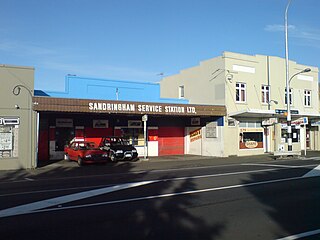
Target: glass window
point(181, 91)
point(265, 93)
point(252, 136)
point(250, 124)
point(243, 124)
point(240, 92)
point(133, 135)
point(307, 98)
point(250, 140)
point(290, 96)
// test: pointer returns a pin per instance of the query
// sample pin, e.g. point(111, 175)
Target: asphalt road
point(271, 200)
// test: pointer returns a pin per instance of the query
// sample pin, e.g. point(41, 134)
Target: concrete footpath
point(63, 168)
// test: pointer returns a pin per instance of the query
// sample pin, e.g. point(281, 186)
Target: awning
point(253, 113)
point(264, 114)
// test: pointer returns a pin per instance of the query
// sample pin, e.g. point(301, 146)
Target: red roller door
point(171, 140)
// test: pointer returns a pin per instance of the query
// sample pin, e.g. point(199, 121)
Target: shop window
point(243, 124)
point(250, 140)
point(9, 141)
point(295, 134)
point(252, 136)
point(135, 136)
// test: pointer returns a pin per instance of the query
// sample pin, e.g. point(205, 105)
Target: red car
point(85, 152)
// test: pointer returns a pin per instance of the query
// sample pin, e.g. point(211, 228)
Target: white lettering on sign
point(149, 108)
point(111, 107)
point(174, 109)
point(126, 107)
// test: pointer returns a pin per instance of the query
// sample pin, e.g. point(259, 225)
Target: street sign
point(282, 111)
point(145, 118)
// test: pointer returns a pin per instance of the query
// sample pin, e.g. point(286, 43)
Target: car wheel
point(113, 157)
point(80, 161)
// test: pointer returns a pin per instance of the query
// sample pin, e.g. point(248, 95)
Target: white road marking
point(29, 179)
point(165, 195)
point(40, 205)
point(301, 235)
point(28, 208)
point(172, 179)
point(311, 158)
point(142, 172)
point(276, 165)
point(314, 172)
point(167, 179)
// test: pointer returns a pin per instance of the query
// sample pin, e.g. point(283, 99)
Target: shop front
point(167, 131)
point(266, 132)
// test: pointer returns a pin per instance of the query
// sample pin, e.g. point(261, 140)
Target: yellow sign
point(251, 144)
point(195, 135)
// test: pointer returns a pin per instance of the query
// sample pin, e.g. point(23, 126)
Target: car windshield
point(87, 145)
point(115, 141)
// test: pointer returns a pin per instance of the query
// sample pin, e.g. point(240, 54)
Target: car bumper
point(95, 159)
point(126, 155)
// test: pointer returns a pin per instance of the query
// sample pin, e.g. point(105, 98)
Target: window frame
point(241, 92)
point(290, 96)
point(181, 91)
point(307, 98)
point(265, 93)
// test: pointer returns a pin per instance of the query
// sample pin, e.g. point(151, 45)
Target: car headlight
point(134, 151)
point(88, 156)
point(119, 151)
point(105, 155)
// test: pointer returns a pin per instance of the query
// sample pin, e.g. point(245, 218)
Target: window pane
point(237, 95)
point(243, 124)
point(243, 94)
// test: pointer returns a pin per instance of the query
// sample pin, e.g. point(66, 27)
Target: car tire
point(80, 161)
point(113, 157)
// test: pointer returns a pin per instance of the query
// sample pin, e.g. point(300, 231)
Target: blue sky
point(139, 39)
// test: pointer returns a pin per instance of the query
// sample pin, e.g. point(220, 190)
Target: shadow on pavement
point(162, 218)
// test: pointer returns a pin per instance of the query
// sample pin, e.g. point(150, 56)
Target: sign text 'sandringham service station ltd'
point(119, 107)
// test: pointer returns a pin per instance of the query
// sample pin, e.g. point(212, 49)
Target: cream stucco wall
point(202, 84)
point(276, 80)
point(214, 82)
point(12, 106)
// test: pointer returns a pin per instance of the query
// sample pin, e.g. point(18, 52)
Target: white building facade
point(253, 89)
